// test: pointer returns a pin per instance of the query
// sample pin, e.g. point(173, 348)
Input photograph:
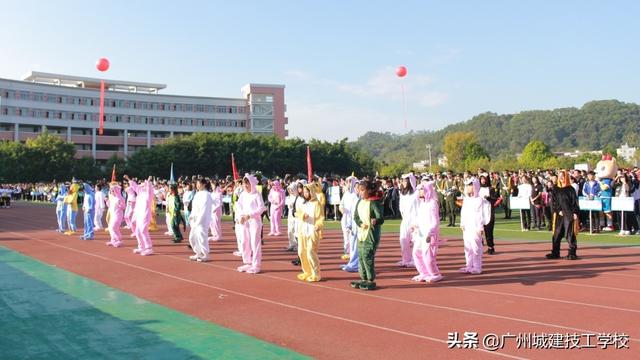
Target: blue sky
point(337, 58)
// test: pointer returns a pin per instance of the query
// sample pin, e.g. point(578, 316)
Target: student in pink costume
point(474, 215)
point(116, 208)
point(128, 212)
point(276, 198)
point(425, 229)
point(250, 208)
point(216, 213)
point(142, 215)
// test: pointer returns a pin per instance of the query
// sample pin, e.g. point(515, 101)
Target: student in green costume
point(369, 218)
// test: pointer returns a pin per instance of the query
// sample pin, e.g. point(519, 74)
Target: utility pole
point(429, 149)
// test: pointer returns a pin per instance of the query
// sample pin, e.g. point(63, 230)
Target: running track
point(519, 293)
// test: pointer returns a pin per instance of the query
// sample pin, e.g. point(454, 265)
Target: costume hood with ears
point(475, 185)
point(276, 185)
point(116, 190)
point(429, 191)
point(63, 190)
point(293, 188)
point(412, 180)
point(253, 181)
point(312, 191)
point(352, 182)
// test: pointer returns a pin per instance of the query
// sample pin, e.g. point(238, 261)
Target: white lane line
point(334, 317)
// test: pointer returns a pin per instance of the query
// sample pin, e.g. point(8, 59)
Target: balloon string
point(404, 106)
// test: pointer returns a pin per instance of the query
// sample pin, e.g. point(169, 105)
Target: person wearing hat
point(565, 208)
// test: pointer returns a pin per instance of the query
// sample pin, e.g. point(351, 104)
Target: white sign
point(519, 203)
point(622, 203)
point(334, 195)
point(590, 205)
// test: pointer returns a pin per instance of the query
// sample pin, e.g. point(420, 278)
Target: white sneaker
point(193, 257)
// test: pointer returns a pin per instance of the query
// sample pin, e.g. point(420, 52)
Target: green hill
point(595, 125)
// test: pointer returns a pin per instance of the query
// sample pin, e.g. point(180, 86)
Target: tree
point(455, 145)
point(535, 154)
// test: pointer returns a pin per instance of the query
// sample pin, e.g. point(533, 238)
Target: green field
point(504, 230)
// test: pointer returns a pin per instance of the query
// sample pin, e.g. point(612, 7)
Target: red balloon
point(102, 64)
point(401, 71)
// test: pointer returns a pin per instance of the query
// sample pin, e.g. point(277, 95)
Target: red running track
point(519, 293)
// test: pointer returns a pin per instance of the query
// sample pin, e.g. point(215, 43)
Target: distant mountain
point(595, 125)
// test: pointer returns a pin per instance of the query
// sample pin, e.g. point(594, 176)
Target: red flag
point(113, 174)
point(309, 166)
point(101, 107)
point(234, 169)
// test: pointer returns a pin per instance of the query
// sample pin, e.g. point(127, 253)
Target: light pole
point(429, 149)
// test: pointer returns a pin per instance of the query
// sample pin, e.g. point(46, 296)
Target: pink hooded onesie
point(142, 216)
point(250, 208)
point(116, 208)
point(276, 198)
point(426, 234)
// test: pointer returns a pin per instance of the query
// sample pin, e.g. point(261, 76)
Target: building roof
point(91, 83)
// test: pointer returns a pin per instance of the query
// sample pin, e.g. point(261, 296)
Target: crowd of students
point(420, 200)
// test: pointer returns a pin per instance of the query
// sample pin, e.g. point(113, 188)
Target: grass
point(504, 230)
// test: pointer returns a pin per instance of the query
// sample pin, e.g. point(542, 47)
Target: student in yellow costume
point(72, 208)
point(311, 220)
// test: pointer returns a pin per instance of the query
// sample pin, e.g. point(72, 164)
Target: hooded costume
point(276, 199)
point(100, 205)
point(408, 205)
point(128, 212)
point(291, 220)
point(116, 208)
point(310, 221)
point(216, 214)
point(474, 215)
point(200, 221)
point(368, 210)
point(61, 208)
point(426, 234)
point(88, 207)
point(349, 211)
point(174, 208)
point(564, 206)
point(249, 208)
point(347, 202)
point(142, 213)
point(71, 200)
